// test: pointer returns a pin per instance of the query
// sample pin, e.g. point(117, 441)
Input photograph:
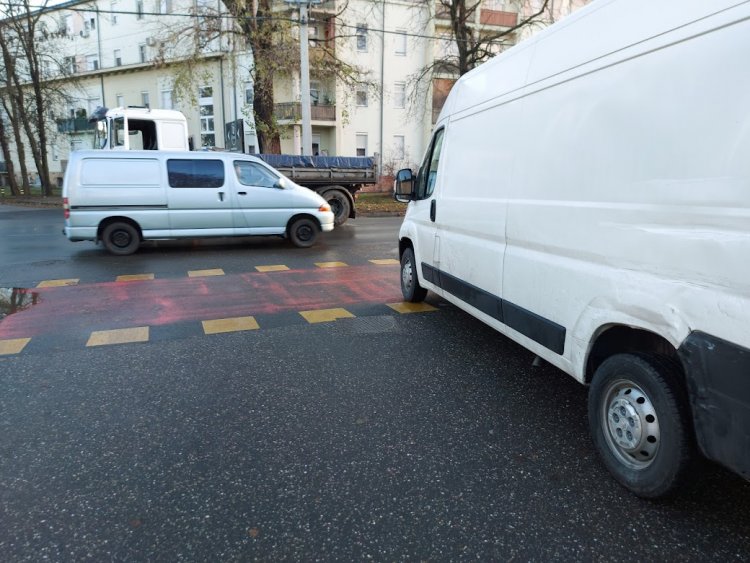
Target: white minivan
point(587, 193)
point(123, 198)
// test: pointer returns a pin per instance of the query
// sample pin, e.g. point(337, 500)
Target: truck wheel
point(303, 232)
point(340, 206)
point(640, 423)
point(410, 288)
point(121, 238)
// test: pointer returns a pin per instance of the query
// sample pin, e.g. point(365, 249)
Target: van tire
point(303, 232)
point(121, 238)
point(410, 288)
point(340, 205)
point(640, 423)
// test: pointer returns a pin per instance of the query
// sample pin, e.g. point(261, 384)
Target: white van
point(587, 193)
point(124, 198)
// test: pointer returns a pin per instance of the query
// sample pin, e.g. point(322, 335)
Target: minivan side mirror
point(282, 183)
point(403, 186)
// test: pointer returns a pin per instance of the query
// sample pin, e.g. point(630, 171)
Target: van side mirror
point(403, 186)
point(282, 184)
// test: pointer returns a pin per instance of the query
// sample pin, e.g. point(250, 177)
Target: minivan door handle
point(221, 196)
point(433, 208)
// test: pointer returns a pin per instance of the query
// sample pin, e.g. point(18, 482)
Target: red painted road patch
point(161, 302)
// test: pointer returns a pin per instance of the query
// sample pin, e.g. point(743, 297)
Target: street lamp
point(304, 73)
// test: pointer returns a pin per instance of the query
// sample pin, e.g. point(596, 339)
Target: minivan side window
point(195, 173)
point(428, 171)
point(252, 174)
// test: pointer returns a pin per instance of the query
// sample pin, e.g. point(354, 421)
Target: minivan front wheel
point(121, 238)
point(303, 232)
point(640, 424)
point(410, 288)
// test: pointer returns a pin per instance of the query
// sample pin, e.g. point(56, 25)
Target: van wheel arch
point(620, 339)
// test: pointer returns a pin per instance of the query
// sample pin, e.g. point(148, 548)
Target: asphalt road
point(387, 436)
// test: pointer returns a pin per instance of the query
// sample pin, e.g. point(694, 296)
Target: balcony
point(498, 18)
point(292, 111)
point(74, 125)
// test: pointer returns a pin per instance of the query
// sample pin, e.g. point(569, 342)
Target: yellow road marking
point(203, 273)
point(58, 283)
point(135, 277)
point(331, 264)
point(230, 325)
point(276, 268)
point(385, 261)
point(325, 315)
point(406, 307)
point(13, 346)
point(118, 336)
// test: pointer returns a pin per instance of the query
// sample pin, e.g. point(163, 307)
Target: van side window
point(252, 174)
point(189, 173)
point(429, 169)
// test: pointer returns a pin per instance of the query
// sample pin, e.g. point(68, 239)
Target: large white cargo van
point(123, 198)
point(587, 193)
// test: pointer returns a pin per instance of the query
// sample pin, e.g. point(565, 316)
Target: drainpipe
point(99, 51)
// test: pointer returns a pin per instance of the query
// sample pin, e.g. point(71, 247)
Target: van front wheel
point(410, 288)
point(121, 238)
point(303, 232)
point(640, 424)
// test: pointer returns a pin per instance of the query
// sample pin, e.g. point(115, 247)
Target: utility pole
point(304, 71)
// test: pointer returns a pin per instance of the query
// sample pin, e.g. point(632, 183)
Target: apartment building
point(179, 54)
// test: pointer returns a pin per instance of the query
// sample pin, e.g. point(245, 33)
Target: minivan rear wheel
point(121, 238)
point(303, 232)
point(410, 288)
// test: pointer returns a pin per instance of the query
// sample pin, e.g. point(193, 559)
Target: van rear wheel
point(410, 288)
point(640, 424)
point(121, 238)
point(303, 232)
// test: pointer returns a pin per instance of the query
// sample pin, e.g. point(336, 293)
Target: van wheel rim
point(407, 274)
point(120, 239)
point(630, 424)
point(304, 233)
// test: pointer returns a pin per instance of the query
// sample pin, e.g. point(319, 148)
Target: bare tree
point(28, 96)
point(470, 34)
point(269, 35)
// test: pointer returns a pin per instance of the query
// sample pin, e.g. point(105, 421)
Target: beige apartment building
point(136, 53)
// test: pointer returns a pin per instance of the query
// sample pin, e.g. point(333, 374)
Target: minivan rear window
point(195, 173)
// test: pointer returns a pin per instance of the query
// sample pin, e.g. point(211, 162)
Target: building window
point(142, 53)
point(139, 9)
point(361, 37)
point(70, 65)
point(361, 144)
point(314, 92)
point(398, 147)
point(206, 104)
point(249, 94)
point(165, 6)
point(145, 100)
point(120, 100)
point(166, 99)
point(399, 94)
point(118, 57)
point(401, 42)
point(361, 97)
point(92, 62)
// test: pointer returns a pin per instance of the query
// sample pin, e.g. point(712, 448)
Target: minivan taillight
point(66, 208)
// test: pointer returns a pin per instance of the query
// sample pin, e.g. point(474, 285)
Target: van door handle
point(242, 193)
point(433, 209)
point(221, 196)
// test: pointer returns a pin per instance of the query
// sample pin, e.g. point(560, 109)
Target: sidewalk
point(32, 201)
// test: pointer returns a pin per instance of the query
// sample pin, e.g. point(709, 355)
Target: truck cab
point(140, 128)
